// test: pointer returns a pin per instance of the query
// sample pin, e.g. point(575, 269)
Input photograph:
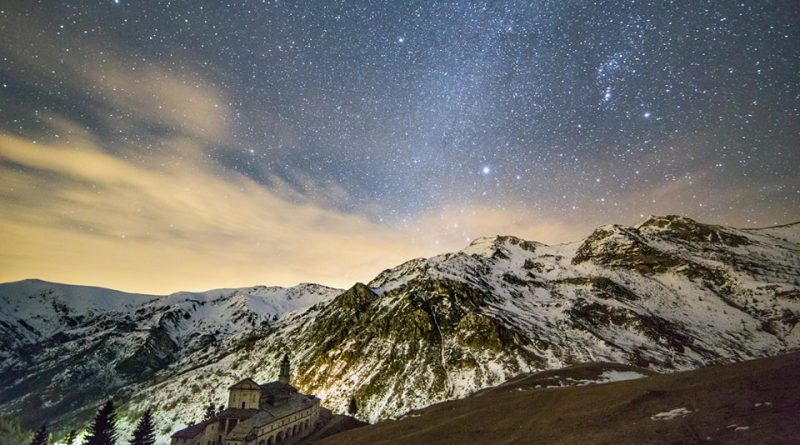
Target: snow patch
point(672, 414)
point(619, 376)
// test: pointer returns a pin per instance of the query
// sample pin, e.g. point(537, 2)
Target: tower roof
point(247, 383)
point(276, 388)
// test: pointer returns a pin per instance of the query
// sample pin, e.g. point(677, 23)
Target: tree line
point(103, 430)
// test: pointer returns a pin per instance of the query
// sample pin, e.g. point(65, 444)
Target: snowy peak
point(497, 246)
point(502, 249)
point(689, 230)
point(32, 310)
point(391, 278)
point(620, 246)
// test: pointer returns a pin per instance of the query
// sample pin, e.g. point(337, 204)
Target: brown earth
point(331, 424)
point(752, 402)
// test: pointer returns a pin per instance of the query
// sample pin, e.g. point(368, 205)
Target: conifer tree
point(144, 434)
point(211, 412)
point(41, 436)
point(71, 436)
point(103, 430)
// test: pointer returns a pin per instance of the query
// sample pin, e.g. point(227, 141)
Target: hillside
point(669, 294)
point(67, 348)
point(752, 402)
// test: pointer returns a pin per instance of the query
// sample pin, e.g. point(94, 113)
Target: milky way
point(575, 113)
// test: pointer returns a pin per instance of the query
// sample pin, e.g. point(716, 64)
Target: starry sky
point(161, 145)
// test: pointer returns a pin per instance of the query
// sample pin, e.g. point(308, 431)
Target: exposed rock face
point(690, 231)
point(668, 294)
point(617, 246)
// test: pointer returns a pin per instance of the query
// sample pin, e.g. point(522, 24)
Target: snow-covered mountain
point(668, 294)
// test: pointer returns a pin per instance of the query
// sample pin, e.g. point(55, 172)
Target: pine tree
point(71, 437)
point(103, 431)
point(41, 436)
point(352, 409)
point(210, 412)
point(220, 409)
point(144, 434)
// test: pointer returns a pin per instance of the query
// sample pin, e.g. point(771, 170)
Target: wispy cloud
point(153, 212)
point(76, 213)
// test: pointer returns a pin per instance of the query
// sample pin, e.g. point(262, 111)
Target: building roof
point(268, 414)
point(275, 388)
point(294, 404)
point(247, 383)
point(236, 413)
point(278, 400)
point(192, 431)
point(245, 427)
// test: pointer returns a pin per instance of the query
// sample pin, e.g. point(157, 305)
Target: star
point(607, 94)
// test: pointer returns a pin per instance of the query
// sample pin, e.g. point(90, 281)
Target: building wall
point(299, 424)
point(244, 398)
point(296, 425)
point(210, 435)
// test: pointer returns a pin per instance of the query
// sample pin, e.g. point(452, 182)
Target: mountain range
point(668, 294)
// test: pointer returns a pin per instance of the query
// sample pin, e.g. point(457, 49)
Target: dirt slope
point(752, 402)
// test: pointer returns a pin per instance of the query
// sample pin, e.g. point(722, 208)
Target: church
point(267, 414)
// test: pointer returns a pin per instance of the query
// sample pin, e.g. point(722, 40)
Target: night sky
point(166, 145)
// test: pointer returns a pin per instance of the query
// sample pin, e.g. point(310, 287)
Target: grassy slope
point(615, 413)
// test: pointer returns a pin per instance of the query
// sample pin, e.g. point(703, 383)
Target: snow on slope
point(32, 310)
point(36, 309)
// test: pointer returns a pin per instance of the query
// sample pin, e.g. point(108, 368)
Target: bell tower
point(285, 370)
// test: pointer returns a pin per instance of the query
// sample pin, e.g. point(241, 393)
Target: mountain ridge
point(668, 294)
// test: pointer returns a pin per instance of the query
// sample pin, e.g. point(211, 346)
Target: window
point(242, 405)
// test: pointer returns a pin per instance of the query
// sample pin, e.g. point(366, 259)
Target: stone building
point(267, 414)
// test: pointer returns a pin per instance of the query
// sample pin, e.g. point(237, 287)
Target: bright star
point(486, 170)
point(647, 115)
point(401, 39)
point(607, 95)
